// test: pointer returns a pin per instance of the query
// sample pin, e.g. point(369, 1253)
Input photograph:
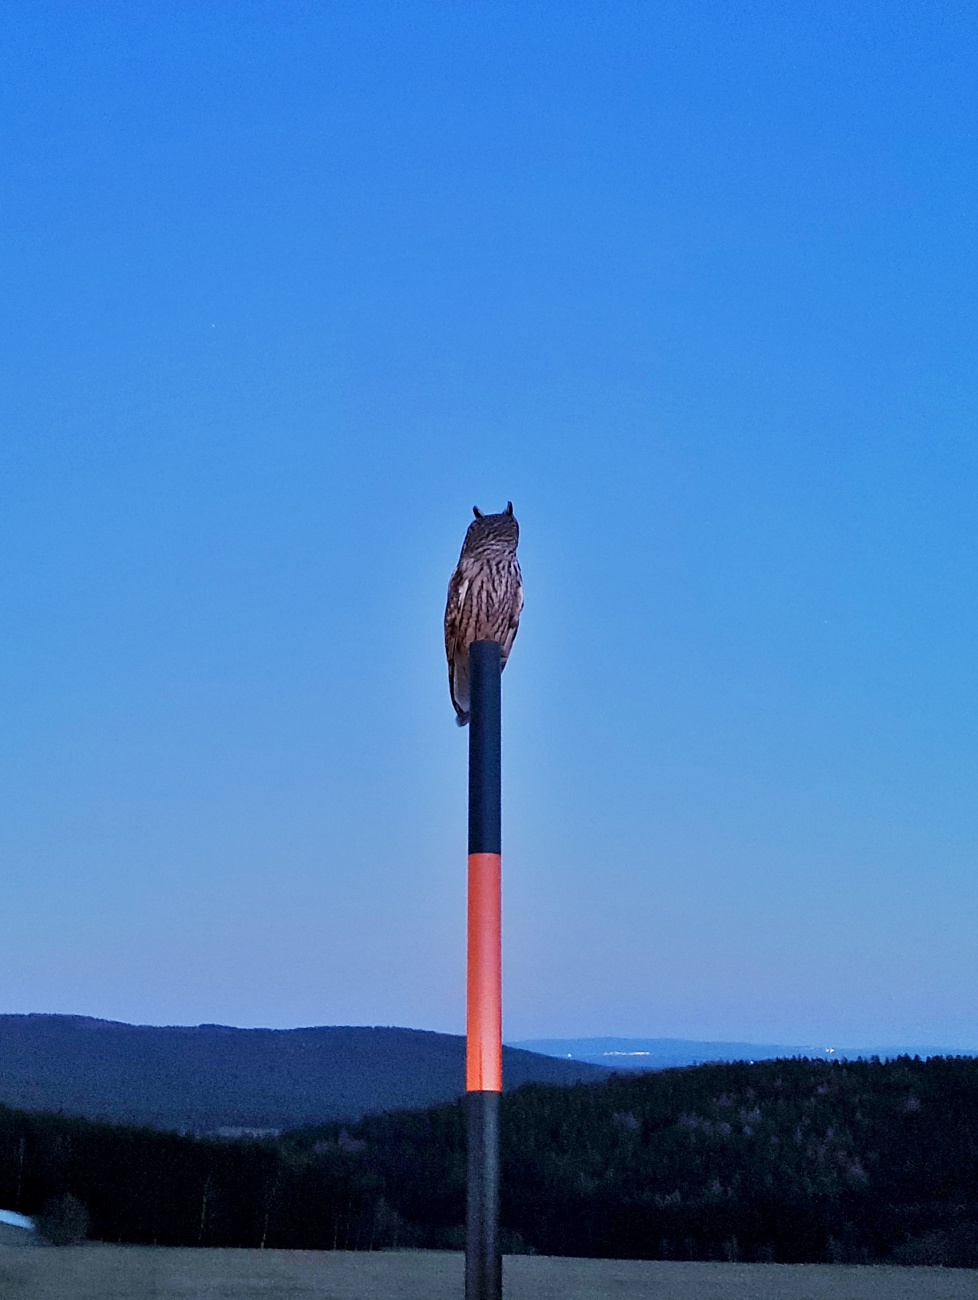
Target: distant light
point(626, 1053)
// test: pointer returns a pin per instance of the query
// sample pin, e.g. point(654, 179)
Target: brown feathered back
point(485, 597)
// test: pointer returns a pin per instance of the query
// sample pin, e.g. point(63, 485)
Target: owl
point(485, 597)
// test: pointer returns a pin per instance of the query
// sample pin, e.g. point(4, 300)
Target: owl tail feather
point(461, 719)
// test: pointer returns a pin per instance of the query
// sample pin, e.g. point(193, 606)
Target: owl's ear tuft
point(477, 512)
point(509, 508)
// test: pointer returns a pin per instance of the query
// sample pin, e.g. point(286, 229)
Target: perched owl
point(485, 597)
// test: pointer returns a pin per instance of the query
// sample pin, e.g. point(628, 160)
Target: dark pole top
point(485, 820)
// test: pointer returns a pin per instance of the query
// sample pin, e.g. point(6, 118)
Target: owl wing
point(457, 589)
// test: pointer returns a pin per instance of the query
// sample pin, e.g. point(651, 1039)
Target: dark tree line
point(795, 1161)
point(143, 1186)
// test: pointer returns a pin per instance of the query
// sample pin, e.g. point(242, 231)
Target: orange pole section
point(484, 1011)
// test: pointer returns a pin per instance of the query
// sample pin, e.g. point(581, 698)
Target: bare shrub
point(64, 1221)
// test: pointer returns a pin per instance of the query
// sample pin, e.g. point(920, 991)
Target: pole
point(484, 1025)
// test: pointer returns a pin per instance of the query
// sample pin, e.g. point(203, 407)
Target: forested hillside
point(201, 1078)
point(783, 1160)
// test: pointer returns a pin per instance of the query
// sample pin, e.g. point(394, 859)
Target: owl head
point(492, 532)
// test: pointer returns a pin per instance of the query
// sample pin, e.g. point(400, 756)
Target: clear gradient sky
point(286, 289)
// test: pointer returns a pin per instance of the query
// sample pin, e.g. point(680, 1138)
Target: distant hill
point(668, 1053)
point(206, 1078)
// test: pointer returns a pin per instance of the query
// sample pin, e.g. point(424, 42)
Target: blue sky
point(287, 289)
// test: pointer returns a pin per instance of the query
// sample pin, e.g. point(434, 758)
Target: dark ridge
point(203, 1078)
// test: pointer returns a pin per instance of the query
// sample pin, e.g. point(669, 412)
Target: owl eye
point(509, 508)
point(477, 512)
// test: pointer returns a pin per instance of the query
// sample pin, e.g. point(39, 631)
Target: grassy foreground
point(100, 1272)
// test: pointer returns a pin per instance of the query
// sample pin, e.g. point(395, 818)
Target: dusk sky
point(287, 288)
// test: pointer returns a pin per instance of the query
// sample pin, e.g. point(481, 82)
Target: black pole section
point(485, 744)
point(483, 1259)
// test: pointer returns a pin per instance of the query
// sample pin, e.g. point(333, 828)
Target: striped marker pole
point(484, 1023)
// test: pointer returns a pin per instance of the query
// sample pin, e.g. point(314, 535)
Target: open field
point(100, 1272)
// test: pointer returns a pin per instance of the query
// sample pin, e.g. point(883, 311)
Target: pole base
point(483, 1260)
